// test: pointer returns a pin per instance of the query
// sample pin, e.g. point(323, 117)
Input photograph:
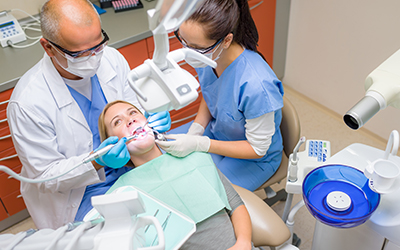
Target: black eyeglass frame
point(201, 51)
point(76, 54)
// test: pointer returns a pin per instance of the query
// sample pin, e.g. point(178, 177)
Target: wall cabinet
point(11, 201)
point(263, 13)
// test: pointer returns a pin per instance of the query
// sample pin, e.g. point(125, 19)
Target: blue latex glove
point(118, 156)
point(160, 121)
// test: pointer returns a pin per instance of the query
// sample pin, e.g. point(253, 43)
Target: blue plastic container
point(326, 179)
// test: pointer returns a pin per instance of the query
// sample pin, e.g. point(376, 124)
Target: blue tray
point(326, 179)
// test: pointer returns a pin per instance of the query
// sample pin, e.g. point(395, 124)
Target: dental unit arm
point(383, 89)
point(161, 83)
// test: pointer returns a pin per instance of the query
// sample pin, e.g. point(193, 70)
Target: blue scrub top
point(92, 110)
point(247, 89)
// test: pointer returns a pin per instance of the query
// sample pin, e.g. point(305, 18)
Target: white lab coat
point(51, 136)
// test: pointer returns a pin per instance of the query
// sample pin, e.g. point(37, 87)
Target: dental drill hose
point(95, 155)
point(24, 179)
point(88, 159)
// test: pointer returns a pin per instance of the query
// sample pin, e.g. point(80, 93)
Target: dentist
point(54, 109)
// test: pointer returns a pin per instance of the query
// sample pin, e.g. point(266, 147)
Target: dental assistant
point(54, 109)
point(240, 113)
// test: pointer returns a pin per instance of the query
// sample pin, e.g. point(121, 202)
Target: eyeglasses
point(201, 51)
point(87, 52)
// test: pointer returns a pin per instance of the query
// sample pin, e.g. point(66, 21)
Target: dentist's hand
point(118, 156)
point(160, 121)
point(184, 144)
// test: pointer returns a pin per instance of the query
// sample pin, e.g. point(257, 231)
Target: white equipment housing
point(159, 82)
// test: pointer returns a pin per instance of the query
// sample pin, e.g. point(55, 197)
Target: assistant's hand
point(195, 129)
point(184, 144)
point(160, 121)
point(117, 157)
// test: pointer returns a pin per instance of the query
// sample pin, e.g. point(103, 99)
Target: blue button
point(319, 158)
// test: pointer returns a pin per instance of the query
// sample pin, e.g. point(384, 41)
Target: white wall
point(334, 45)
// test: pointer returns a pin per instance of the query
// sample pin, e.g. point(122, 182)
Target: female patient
point(225, 229)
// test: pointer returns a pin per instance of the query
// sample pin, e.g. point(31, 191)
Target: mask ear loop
point(216, 58)
point(58, 62)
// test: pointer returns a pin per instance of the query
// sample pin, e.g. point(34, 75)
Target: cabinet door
point(3, 119)
point(9, 188)
point(3, 213)
point(9, 185)
point(263, 13)
point(14, 203)
point(185, 114)
point(4, 97)
point(135, 53)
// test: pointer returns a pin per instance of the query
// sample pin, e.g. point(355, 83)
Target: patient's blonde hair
point(102, 125)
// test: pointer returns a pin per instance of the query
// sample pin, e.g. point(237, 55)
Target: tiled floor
point(316, 123)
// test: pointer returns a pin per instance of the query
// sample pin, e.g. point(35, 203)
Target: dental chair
point(268, 229)
point(290, 129)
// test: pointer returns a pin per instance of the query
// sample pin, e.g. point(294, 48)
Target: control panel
point(10, 30)
point(315, 154)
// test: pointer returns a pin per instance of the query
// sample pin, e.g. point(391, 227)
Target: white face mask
point(82, 67)
point(199, 64)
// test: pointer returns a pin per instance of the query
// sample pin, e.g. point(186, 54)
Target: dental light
point(161, 83)
point(383, 89)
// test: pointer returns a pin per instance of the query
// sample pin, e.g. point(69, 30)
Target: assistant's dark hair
point(221, 17)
